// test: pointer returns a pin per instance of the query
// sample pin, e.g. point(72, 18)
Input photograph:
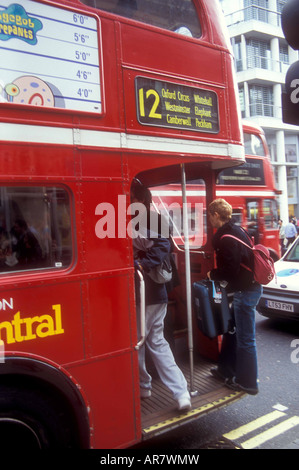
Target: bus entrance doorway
point(194, 353)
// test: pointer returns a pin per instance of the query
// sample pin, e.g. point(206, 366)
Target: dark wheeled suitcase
point(211, 307)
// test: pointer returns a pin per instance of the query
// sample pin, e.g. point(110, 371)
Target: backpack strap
point(251, 239)
point(236, 238)
point(243, 243)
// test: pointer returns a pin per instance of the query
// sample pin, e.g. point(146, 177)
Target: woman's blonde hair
point(222, 207)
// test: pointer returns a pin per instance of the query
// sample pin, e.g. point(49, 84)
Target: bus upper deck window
point(35, 230)
point(179, 16)
point(253, 145)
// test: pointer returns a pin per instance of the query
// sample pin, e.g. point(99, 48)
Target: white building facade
point(262, 58)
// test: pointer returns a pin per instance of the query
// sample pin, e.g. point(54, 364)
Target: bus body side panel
point(109, 303)
point(193, 58)
point(112, 395)
point(34, 160)
point(41, 317)
point(84, 317)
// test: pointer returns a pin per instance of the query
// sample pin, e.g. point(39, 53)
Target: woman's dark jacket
point(230, 254)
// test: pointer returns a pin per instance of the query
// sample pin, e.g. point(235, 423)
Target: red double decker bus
point(94, 94)
point(249, 188)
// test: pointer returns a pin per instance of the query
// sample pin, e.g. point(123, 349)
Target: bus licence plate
point(280, 306)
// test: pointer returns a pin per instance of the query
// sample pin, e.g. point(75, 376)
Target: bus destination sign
point(250, 173)
point(177, 106)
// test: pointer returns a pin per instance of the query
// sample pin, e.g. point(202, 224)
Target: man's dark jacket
point(230, 254)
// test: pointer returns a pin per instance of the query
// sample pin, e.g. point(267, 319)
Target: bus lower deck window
point(35, 228)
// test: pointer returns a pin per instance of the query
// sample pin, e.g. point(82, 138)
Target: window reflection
point(35, 229)
point(179, 16)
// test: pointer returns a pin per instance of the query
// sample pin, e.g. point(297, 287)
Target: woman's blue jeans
point(238, 357)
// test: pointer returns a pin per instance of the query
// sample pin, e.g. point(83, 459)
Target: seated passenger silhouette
point(27, 248)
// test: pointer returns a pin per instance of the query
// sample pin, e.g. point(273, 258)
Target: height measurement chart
point(49, 57)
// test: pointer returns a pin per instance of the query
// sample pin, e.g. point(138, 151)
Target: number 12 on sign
point(151, 111)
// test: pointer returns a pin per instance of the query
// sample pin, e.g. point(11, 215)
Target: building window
point(284, 54)
point(256, 10)
point(242, 102)
point(261, 101)
point(258, 54)
point(276, 177)
point(291, 153)
point(238, 55)
point(280, 4)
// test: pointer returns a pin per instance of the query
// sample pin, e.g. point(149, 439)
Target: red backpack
point(264, 270)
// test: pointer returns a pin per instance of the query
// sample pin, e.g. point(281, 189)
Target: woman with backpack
point(235, 265)
point(150, 248)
